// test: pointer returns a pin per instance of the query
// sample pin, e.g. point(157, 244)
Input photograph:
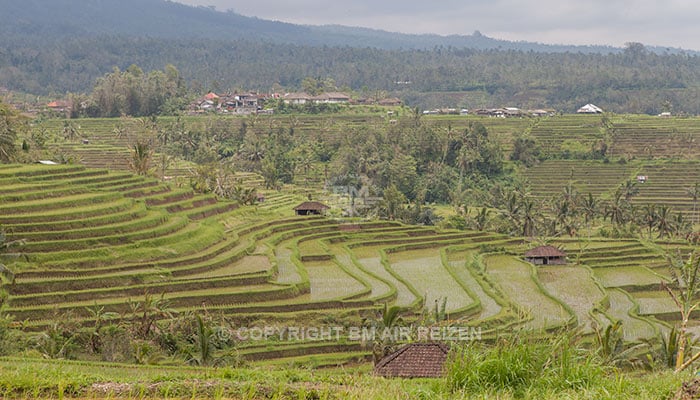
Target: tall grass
point(519, 365)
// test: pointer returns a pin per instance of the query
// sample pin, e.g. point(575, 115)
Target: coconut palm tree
point(650, 217)
point(482, 218)
point(589, 207)
point(529, 216)
point(629, 189)
point(141, 155)
point(70, 131)
point(681, 226)
point(664, 222)
point(617, 210)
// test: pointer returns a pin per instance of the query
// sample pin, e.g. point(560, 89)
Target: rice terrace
point(121, 267)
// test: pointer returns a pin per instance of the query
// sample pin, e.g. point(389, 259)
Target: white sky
point(671, 23)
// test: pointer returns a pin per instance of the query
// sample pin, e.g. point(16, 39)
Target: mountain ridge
point(172, 20)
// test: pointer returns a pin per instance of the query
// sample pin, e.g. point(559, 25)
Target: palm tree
point(513, 210)
point(681, 226)
point(664, 222)
point(482, 218)
point(589, 206)
point(650, 217)
point(618, 208)
point(70, 132)
point(630, 189)
point(120, 130)
point(565, 217)
point(146, 313)
point(391, 205)
point(466, 158)
point(570, 196)
point(141, 157)
point(99, 317)
point(529, 216)
point(449, 135)
point(254, 150)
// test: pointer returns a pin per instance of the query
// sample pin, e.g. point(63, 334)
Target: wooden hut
point(546, 255)
point(311, 208)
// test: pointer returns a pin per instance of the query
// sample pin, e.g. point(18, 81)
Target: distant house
point(391, 102)
point(296, 98)
point(491, 112)
point(206, 105)
point(311, 208)
point(590, 109)
point(512, 112)
point(546, 255)
point(211, 96)
point(542, 113)
point(59, 105)
point(331, 98)
point(414, 360)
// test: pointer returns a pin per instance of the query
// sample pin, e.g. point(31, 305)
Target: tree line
point(635, 80)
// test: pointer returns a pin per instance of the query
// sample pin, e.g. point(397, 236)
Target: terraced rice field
point(624, 308)
point(576, 287)
point(426, 274)
point(549, 178)
point(517, 281)
point(101, 237)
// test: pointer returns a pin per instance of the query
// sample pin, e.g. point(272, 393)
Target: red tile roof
point(415, 360)
point(545, 251)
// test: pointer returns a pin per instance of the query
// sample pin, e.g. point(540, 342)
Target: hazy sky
point(671, 23)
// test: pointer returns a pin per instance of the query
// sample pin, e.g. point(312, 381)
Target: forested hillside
point(62, 47)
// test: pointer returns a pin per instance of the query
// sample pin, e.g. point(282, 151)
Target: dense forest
point(633, 81)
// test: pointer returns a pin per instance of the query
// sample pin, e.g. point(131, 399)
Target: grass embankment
point(486, 377)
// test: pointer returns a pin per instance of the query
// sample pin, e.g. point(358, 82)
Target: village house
point(331, 98)
point(243, 103)
point(512, 112)
point(240, 103)
point(296, 98)
point(59, 105)
point(390, 102)
point(542, 113)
